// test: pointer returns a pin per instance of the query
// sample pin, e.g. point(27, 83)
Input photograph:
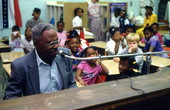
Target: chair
point(167, 49)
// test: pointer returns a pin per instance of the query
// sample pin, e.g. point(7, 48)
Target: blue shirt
point(49, 76)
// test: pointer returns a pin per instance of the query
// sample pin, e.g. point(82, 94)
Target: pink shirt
point(89, 74)
point(159, 37)
point(63, 37)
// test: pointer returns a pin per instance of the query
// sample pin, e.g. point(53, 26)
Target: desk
point(8, 57)
point(4, 47)
point(112, 66)
point(7, 68)
point(101, 45)
point(143, 45)
point(104, 96)
point(159, 61)
point(162, 32)
point(89, 38)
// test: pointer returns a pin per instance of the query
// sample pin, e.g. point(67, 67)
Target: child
point(27, 42)
point(35, 20)
point(62, 35)
point(155, 27)
point(73, 43)
point(77, 21)
point(132, 48)
point(94, 13)
point(152, 42)
point(115, 18)
point(87, 71)
point(123, 21)
point(15, 41)
point(129, 29)
point(166, 39)
point(116, 43)
point(126, 66)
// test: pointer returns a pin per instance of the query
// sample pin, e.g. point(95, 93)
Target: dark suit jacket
point(24, 78)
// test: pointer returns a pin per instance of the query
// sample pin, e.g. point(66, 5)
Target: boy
point(126, 69)
point(27, 42)
point(15, 41)
point(132, 48)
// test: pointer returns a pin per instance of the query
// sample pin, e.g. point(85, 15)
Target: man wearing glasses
point(42, 70)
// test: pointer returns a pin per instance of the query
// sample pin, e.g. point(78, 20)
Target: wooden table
point(8, 57)
point(4, 47)
point(7, 68)
point(101, 45)
point(143, 45)
point(116, 95)
point(159, 61)
point(112, 66)
point(163, 32)
point(89, 38)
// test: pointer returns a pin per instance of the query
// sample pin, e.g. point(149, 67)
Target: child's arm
point(116, 47)
point(104, 68)
point(79, 77)
point(151, 49)
point(117, 59)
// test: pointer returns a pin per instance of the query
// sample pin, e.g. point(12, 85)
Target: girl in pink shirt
point(87, 71)
point(61, 33)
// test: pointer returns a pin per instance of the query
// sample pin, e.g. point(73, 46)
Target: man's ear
point(35, 42)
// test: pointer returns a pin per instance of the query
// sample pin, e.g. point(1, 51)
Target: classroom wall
point(27, 7)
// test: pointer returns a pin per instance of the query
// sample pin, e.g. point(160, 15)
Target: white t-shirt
point(115, 21)
point(27, 45)
point(110, 47)
point(16, 44)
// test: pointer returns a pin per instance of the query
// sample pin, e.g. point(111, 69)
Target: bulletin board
point(69, 13)
point(113, 6)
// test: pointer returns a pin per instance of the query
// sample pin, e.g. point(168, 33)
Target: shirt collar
point(39, 60)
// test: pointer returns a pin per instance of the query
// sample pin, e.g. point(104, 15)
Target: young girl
point(61, 33)
point(27, 42)
point(115, 18)
point(155, 27)
point(73, 43)
point(123, 21)
point(132, 47)
point(152, 42)
point(129, 29)
point(77, 22)
point(87, 71)
point(35, 20)
point(116, 43)
point(94, 13)
point(15, 42)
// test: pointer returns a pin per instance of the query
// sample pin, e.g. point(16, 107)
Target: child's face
point(155, 28)
point(122, 13)
point(116, 37)
point(36, 15)
point(28, 33)
point(132, 44)
point(73, 45)
point(129, 30)
point(60, 27)
point(79, 13)
point(148, 35)
point(91, 53)
point(94, 1)
point(124, 67)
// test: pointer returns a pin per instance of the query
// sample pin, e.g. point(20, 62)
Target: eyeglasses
point(52, 43)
